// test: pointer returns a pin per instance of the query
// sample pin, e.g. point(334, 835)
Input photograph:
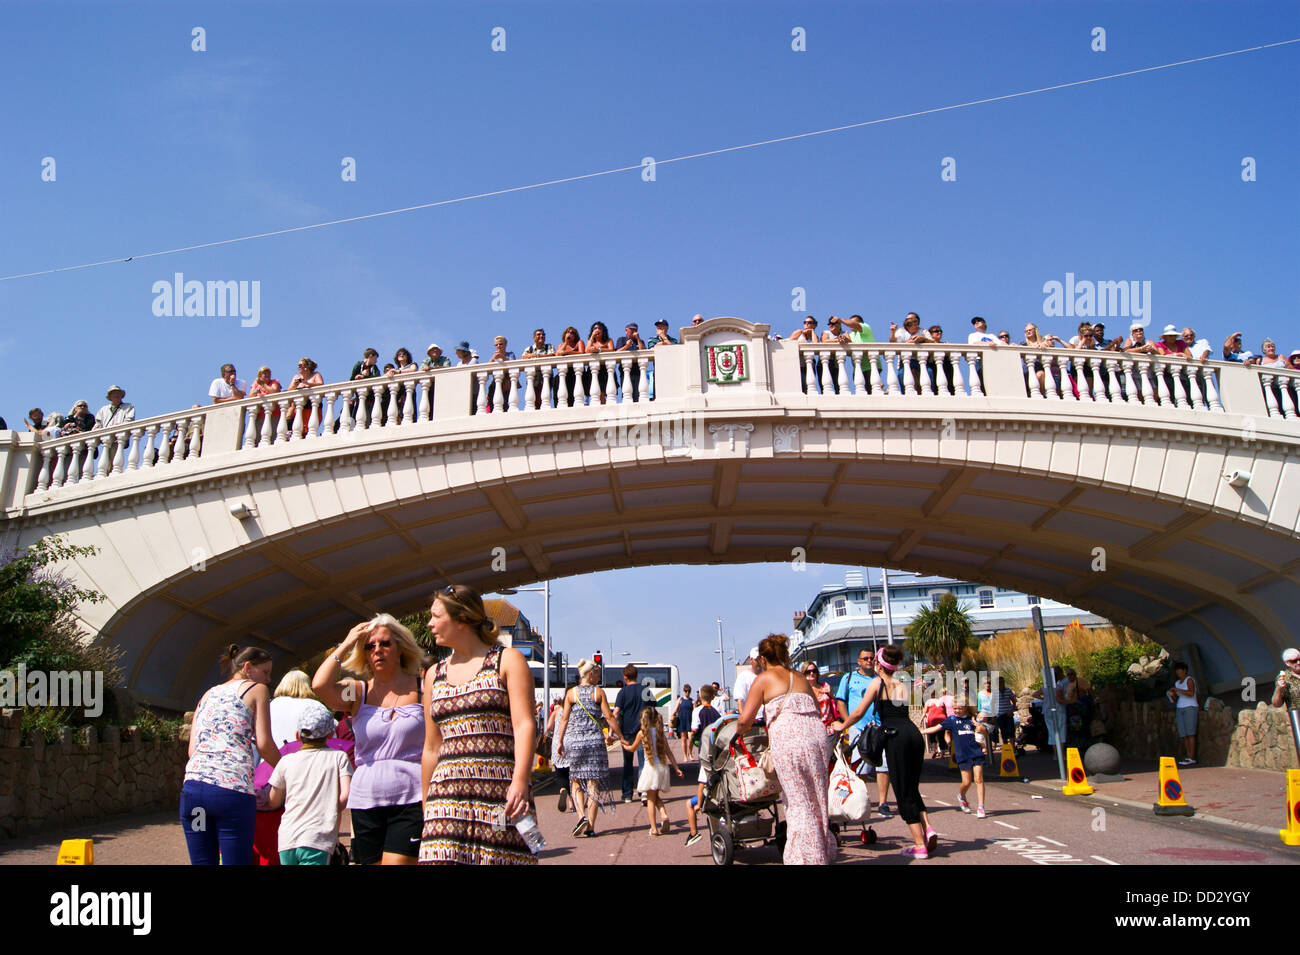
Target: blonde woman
point(292, 695)
point(1034, 340)
point(580, 740)
point(479, 739)
point(388, 722)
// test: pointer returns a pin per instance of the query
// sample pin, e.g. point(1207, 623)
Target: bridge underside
point(1180, 575)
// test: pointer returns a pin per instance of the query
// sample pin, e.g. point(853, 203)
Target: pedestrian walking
point(388, 723)
point(628, 705)
point(681, 720)
point(218, 805)
point(654, 780)
point(479, 740)
point(800, 751)
point(853, 685)
point(580, 741)
point(969, 741)
point(1183, 695)
point(312, 786)
point(904, 746)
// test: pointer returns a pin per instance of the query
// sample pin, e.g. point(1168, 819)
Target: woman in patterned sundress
point(478, 740)
point(580, 741)
point(800, 751)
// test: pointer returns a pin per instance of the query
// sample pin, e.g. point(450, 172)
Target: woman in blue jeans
point(218, 808)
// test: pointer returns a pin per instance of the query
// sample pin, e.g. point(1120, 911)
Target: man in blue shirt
point(853, 686)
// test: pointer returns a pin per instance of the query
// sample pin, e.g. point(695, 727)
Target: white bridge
point(212, 526)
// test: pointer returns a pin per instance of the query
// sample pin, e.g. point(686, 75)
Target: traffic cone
point(76, 852)
point(1291, 834)
point(1169, 800)
point(1009, 767)
point(1078, 784)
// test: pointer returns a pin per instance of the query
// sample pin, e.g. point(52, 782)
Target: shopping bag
point(753, 781)
point(847, 799)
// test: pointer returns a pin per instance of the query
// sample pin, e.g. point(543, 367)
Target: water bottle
point(527, 827)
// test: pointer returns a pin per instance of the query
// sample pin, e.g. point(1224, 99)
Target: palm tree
point(940, 633)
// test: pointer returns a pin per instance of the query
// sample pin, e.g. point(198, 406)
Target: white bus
point(661, 681)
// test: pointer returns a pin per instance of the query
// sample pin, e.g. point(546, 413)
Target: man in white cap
point(745, 680)
point(115, 412)
point(436, 358)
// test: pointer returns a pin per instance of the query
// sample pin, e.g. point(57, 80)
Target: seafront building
point(841, 620)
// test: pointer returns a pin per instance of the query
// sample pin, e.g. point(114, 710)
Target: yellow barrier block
point(1009, 768)
point(1078, 779)
point(1291, 834)
point(1170, 800)
point(76, 852)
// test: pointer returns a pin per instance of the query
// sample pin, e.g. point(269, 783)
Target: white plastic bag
point(847, 799)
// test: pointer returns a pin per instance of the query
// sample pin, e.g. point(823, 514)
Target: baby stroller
point(734, 823)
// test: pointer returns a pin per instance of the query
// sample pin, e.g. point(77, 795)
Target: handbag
point(847, 800)
point(753, 781)
point(871, 742)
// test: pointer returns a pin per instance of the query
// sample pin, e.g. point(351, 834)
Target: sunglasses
point(375, 645)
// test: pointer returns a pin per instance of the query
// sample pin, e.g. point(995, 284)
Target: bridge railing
point(492, 395)
point(1070, 375)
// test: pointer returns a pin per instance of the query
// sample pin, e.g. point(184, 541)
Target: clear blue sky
point(157, 146)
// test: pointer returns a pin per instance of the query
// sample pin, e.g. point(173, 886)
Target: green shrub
point(45, 721)
point(150, 726)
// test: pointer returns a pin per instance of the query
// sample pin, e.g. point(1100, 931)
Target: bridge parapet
point(586, 390)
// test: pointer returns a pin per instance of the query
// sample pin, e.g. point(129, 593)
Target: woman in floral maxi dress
point(800, 751)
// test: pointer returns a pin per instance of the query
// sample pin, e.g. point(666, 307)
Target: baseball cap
point(462, 346)
point(753, 653)
point(315, 722)
point(977, 318)
point(1289, 654)
point(663, 322)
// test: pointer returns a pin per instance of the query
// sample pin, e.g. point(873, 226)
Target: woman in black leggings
point(904, 748)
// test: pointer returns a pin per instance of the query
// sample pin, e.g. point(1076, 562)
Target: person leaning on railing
point(306, 377)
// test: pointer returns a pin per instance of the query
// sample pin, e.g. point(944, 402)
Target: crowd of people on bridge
point(1180, 343)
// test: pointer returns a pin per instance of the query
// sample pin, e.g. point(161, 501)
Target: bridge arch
point(1003, 487)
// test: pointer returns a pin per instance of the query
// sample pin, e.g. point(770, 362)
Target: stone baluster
point(480, 403)
point(608, 368)
point(1158, 368)
point(268, 434)
point(250, 426)
point(563, 368)
point(366, 407)
point(59, 475)
point(531, 373)
point(324, 410)
point(196, 442)
point(500, 402)
point(1185, 390)
point(102, 456)
point(1082, 367)
point(976, 389)
point(892, 386)
point(426, 397)
point(87, 460)
point(148, 456)
point(644, 382)
point(940, 373)
point(394, 417)
point(1270, 400)
point(346, 421)
point(809, 373)
point(48, 457)
point(906, 372)
point(853, 369)
point(133, 461)
point(1063, 373)
point(1211, 392)
point(1144, 370)
point(313, 422)
point(959, 382)
point(873, 364)
point(1130, 374)
point(283, 431)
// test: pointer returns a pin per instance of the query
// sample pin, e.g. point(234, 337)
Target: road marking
point(1105, 860)
point(1036, 852)
point(942, 803)
point(1052, 841)
point(1007, 824)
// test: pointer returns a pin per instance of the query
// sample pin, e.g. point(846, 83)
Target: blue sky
point(157, 146)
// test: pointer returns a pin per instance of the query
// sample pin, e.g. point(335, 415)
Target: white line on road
point(1105, 860)
point(942, 803)
point(1007, 824)
point(1052, 841)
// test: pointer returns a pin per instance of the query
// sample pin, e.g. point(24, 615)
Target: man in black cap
point(661, 338)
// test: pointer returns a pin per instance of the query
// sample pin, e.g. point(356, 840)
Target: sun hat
point(1169, 330)
point(113, 388)
point(432, 347)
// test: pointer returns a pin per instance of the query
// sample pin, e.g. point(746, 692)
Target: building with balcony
point(841, 620)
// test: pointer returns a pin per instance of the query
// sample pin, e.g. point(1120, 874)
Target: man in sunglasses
point(807, 332)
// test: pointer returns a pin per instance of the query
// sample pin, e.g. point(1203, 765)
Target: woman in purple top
point(388, 722)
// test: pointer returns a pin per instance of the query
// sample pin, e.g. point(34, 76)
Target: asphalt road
point(1027, 825)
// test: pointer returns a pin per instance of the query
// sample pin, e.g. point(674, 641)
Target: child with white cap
point(312, 785)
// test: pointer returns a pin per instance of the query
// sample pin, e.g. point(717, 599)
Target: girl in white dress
point(654, 777)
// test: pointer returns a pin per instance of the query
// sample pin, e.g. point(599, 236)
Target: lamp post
point(722, 661)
